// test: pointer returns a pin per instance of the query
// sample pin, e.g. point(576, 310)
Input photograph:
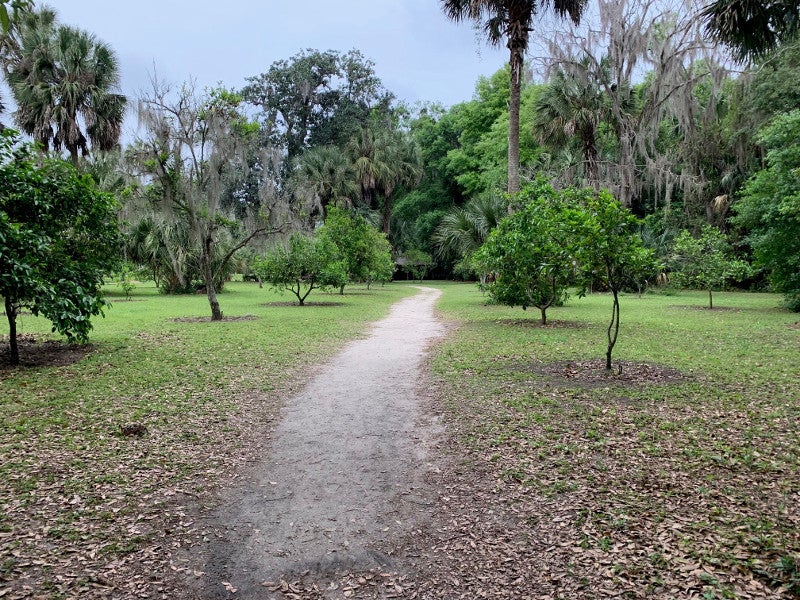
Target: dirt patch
point(297, 305)
point(706, 309)
point(593, 373)
point(208, 319)
point(44, 353)
point(537, 324)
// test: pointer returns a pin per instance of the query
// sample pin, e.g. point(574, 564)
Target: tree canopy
point(769, 207)
point(58, 238)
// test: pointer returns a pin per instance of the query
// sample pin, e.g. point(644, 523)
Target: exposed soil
point(593, 372)
point(297, 304)
point(209, 320)
point(343, 475)
point(537, 323)
point(43, 353)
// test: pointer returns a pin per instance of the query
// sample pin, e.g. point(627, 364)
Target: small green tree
point(416, 263)
point(380, 264)
point(304, 265)
point(364, 251)
point(705, 262)
point(58, 239)
point(531, 253)
point(610, 251)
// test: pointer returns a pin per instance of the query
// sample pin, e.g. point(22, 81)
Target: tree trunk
point(710, 299)
point(13, 349)
point(515, 63)
point(387, 215)
point(208, 275)
point(590, 160)
point(544, 315)
point(613, 329)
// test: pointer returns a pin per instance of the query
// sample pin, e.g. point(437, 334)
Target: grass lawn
point(84, 508)
point(678, 478)
point(682, 481)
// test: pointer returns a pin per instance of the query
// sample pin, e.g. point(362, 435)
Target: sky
point(418, 53)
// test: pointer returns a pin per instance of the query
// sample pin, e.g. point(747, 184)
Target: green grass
point(686, 484)
point(204, 390)
point(701, 471)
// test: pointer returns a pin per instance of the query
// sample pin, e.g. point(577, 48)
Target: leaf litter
point(544, 491)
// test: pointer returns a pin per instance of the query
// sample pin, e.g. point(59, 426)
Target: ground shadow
point(46, 353)
point(704, 307)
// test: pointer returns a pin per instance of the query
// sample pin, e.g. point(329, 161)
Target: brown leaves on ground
point(96, 510)
point(559, 489)
point(571, 493)
point(594, 372)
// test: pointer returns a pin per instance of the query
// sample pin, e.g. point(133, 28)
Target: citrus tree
point(58, 239)
point(364, 251)
point(531, 253)
point(305, 264)
point(706, 261)
point(610, 251)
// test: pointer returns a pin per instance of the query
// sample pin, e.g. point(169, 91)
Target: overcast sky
point(418, 53)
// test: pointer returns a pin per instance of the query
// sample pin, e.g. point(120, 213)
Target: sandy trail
point(344, 469)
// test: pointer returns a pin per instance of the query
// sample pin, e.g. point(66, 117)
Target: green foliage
point(463, 230)
point(769, 207)
point(752, 28)
point(610, 251)
point(364, 251)
point(306, 264)
point(163, 246)
point(531, 252)
point(58, 238)
point(705, 262)
point(416, 263)
point(64, 81)
point(316, 98)
point(125, 279)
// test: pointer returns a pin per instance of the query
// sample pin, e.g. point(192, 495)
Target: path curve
point(344, 468)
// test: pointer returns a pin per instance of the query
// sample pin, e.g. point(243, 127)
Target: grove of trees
point(686, 119)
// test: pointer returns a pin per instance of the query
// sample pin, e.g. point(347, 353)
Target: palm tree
point(752, 27)
point(512, 21)
point(328, 174)
point(464, 229)
point(365, 150)
point(63, 81)
point(572, 105)
point(402, 157)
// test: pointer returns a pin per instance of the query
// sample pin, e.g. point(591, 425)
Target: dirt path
point(344, 469)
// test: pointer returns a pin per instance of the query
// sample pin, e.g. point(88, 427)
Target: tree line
point(687, 119)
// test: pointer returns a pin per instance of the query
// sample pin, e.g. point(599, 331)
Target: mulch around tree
point(593, 372)
point(537, 323)
point(296, 305)
point(44, 353)
point(705, 307)
point(209, 320)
